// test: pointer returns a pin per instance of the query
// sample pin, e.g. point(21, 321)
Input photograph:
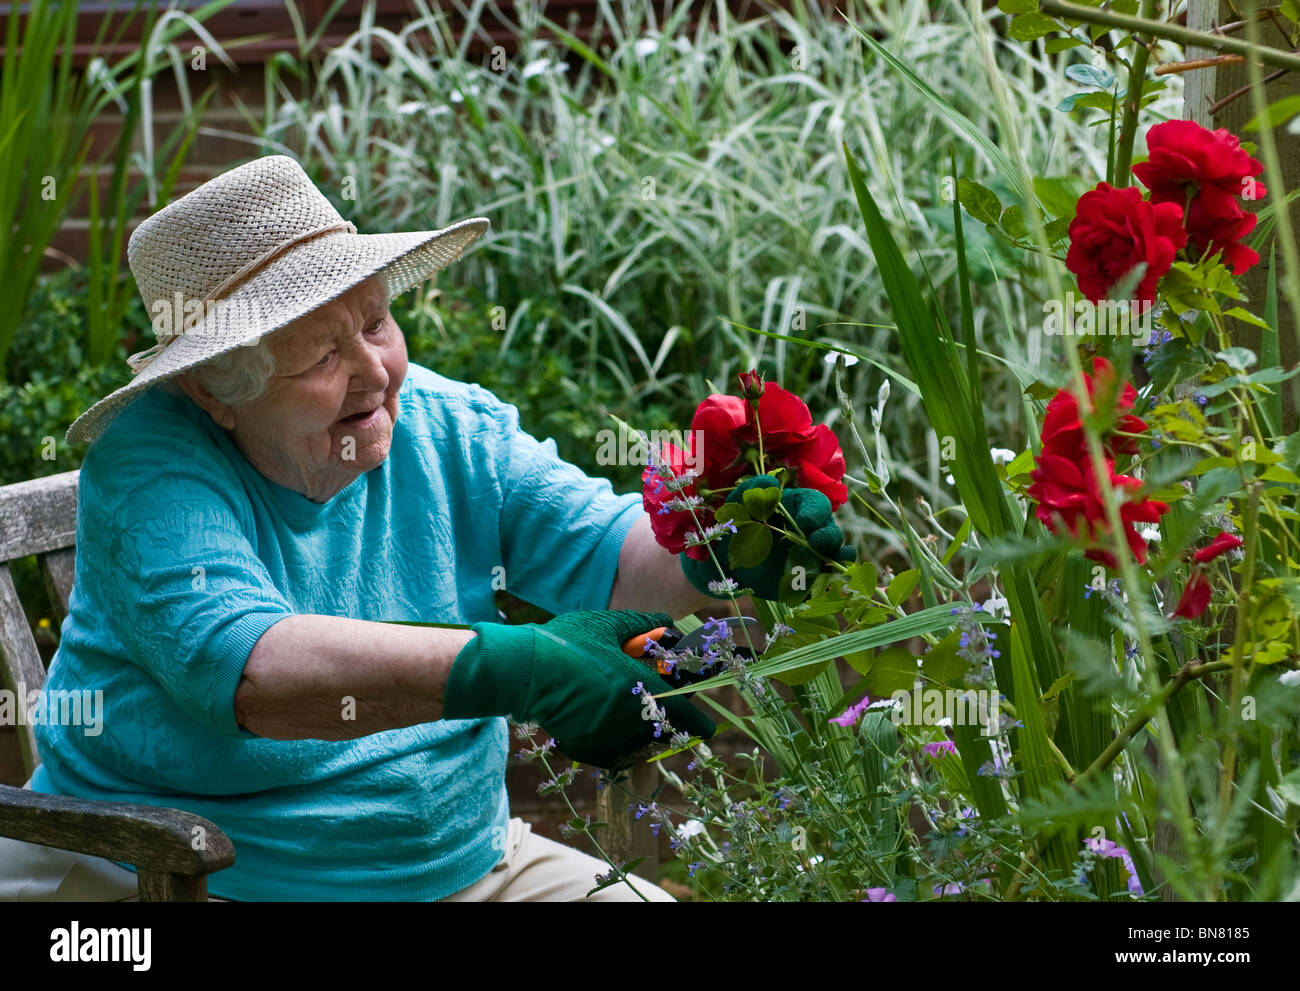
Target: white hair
point(236, 377)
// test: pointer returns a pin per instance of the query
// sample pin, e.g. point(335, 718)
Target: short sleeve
point(164, 556)
point(561, 529)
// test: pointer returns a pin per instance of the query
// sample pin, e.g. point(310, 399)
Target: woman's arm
point(302, 671)
point(650, 578)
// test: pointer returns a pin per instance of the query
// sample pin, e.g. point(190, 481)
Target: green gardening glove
point(771, 578)
point(569, 675)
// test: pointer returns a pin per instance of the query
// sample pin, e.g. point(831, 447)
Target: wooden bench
point(39, 517)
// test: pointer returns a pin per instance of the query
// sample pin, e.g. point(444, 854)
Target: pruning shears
point(743, 630)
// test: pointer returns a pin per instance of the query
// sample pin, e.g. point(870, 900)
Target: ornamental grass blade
point(953, 117)
point(939, 619)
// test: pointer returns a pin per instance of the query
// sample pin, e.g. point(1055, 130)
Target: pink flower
point(850, 716)
point(1109, 848)
point(936, 750)
point(879, 895)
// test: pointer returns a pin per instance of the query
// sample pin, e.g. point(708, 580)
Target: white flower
point(645, 46)
point(997, 607)
point(831, 356)
point(1150, 532)
point(1001, 456)
point(1290, 678)
point(813, 861)
point(690, 829)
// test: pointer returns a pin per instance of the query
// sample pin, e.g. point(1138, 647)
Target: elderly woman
point(276, 480)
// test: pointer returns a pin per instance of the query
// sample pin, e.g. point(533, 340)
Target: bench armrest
point(158, 842)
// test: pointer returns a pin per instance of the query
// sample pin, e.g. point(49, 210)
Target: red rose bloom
point(671, 526)
point(1196, 597)
point(1221, 544)
point(1066, 487)
point(1062, 432)
point(1207, 173)
point(1116, 229)
point(728, 429)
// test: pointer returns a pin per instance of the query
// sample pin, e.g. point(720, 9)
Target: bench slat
point(38, 515)
point(150, 837)
point(58, 569)
point(21, 660)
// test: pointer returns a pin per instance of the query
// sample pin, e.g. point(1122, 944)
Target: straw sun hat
point(247, 253)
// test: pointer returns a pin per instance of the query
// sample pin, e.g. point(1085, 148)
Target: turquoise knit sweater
point(186, 555)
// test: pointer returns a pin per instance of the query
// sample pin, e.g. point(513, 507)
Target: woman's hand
point(572, 677)
point(814, 542)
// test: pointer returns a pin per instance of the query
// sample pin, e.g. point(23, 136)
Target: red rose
point(1116, 229)
point(1069, 499)
point(1062, 432)
point(659, 489)
point(1221, 544)
point(1066, 487)
point(751, 384)
point(1196, 597)
point(1207, 173)
point(727, 428)
point(724, 432)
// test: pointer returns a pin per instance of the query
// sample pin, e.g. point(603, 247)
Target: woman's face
point(345, 358)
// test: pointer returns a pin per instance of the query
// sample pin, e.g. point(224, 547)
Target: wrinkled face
point(327, 414)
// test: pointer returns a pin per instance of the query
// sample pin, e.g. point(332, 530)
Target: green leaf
point(1089, 75)
point(941, 663)
point(1278, 113)
point(1059, 194)
point(1239, 359)
point(1027, 27)
point(1289, 787)
point(1054, 45)
point(902, 586)
point(1245, 316)
point(862, 577)
point(958, 541)
point(806, 633)
point(922, 621)
point(1017, 6)
point(893, 669)
point(1093, 100)
point(761, 502)
point(1013, 223)
point(979, 201)
point(731, 512)
point(750, 545)
point(1057, 230)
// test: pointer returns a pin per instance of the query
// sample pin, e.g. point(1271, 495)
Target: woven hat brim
point(403, 260)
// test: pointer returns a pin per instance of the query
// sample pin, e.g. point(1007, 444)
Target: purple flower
point(1109, 848)
point(879, 895)
point(936, 750)
point(850, 716)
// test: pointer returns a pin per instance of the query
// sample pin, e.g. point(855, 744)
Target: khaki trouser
point(531, 869)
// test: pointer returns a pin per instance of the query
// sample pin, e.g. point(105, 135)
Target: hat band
point(141, 359)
